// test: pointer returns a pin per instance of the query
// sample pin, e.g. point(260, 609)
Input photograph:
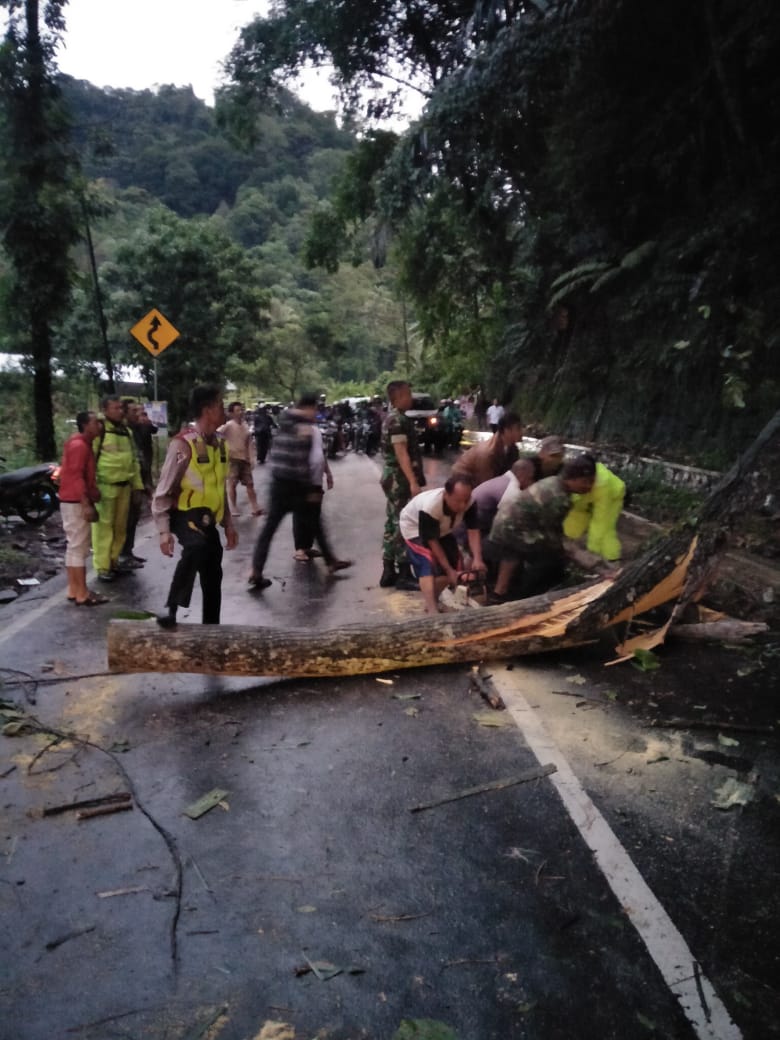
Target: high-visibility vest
point(203, 483)
point(116, 458)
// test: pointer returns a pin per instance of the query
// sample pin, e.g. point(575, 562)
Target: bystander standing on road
point(142, 429)
point(402, 478)
point(264, 425)
point(190, 503)
point(308, 525)
point(427, 524)
point(240, 442)
point(494, 413)
point(118, 475)
point(78, 494)
point(290, 484)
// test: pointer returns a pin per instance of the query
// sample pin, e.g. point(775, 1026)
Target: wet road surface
point(495, 914)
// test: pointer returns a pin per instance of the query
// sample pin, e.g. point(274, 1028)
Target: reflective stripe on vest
point(203, 483)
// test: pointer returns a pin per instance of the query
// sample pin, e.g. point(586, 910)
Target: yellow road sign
point(154, 332)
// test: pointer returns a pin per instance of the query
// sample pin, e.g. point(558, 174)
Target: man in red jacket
point(78, 494)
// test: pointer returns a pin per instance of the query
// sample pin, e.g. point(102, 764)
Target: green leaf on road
point(423, 1029)
point(645, 660)
point(208, 801)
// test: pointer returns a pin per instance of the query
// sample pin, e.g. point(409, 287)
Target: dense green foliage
point(585, 214)
point(38, 202)
point(218, 251)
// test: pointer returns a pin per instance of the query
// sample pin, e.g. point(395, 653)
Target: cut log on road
point(676, 570)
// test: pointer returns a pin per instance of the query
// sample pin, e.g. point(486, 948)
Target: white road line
point(696, 995)
point(21, 621)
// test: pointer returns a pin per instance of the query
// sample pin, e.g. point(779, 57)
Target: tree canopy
point(585, 211)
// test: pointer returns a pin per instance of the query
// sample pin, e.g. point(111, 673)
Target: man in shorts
point(427, 523)
point(240, 448)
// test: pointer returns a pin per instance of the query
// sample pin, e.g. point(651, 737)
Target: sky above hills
point(144, 43)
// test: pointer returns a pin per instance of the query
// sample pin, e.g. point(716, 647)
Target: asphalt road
point(608, 898)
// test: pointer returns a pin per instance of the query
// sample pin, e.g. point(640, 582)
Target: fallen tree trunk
point(676, 570)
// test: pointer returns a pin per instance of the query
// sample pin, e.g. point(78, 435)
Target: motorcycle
point(30, 492)
point(368, 435)
point(330, 437)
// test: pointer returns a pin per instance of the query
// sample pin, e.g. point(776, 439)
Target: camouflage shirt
point(399, 428)
point(531, 522)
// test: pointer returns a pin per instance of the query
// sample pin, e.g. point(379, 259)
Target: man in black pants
point(190, 502)
point(290, 484)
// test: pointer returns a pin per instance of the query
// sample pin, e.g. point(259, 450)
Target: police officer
point(190, 502)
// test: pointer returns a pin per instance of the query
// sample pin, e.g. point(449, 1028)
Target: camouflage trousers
point(397, 494)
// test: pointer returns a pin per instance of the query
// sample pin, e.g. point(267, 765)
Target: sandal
point(94, 599)
point(301, 556)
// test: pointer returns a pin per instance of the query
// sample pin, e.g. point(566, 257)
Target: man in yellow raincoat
point(597, 514)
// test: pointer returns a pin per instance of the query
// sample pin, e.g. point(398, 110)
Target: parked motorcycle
point(30, 492)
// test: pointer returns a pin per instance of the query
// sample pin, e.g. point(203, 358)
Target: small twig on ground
point(539, 870)
point(203, 881)
point(738, 727)
point(88, 803)
point(103, 810)
point(390, 918)
point(467, 961)
point(54, 943)
point(481, 683)
point(597, 765)
point(496, 785)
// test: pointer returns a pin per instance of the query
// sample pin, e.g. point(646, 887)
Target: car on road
point(431, 432)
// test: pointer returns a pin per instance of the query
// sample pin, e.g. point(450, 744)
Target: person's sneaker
point(106, 576)
point(167, 620)
point(389, 576)
point(138, 559)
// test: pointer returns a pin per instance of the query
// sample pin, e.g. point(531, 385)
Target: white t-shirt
point(494, 413)
point(316, 456)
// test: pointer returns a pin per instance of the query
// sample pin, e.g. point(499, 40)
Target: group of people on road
point(514, 519)
point(105, 479)
point(511, 517)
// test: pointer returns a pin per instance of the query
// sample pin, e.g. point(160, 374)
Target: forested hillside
point(212, 234)
point(586, 214)
point(583, 220)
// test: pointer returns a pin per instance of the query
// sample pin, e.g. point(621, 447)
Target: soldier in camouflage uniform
point(402, 478)
point(528, 529)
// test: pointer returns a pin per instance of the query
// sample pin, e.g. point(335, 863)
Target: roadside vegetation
point(583, 220)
